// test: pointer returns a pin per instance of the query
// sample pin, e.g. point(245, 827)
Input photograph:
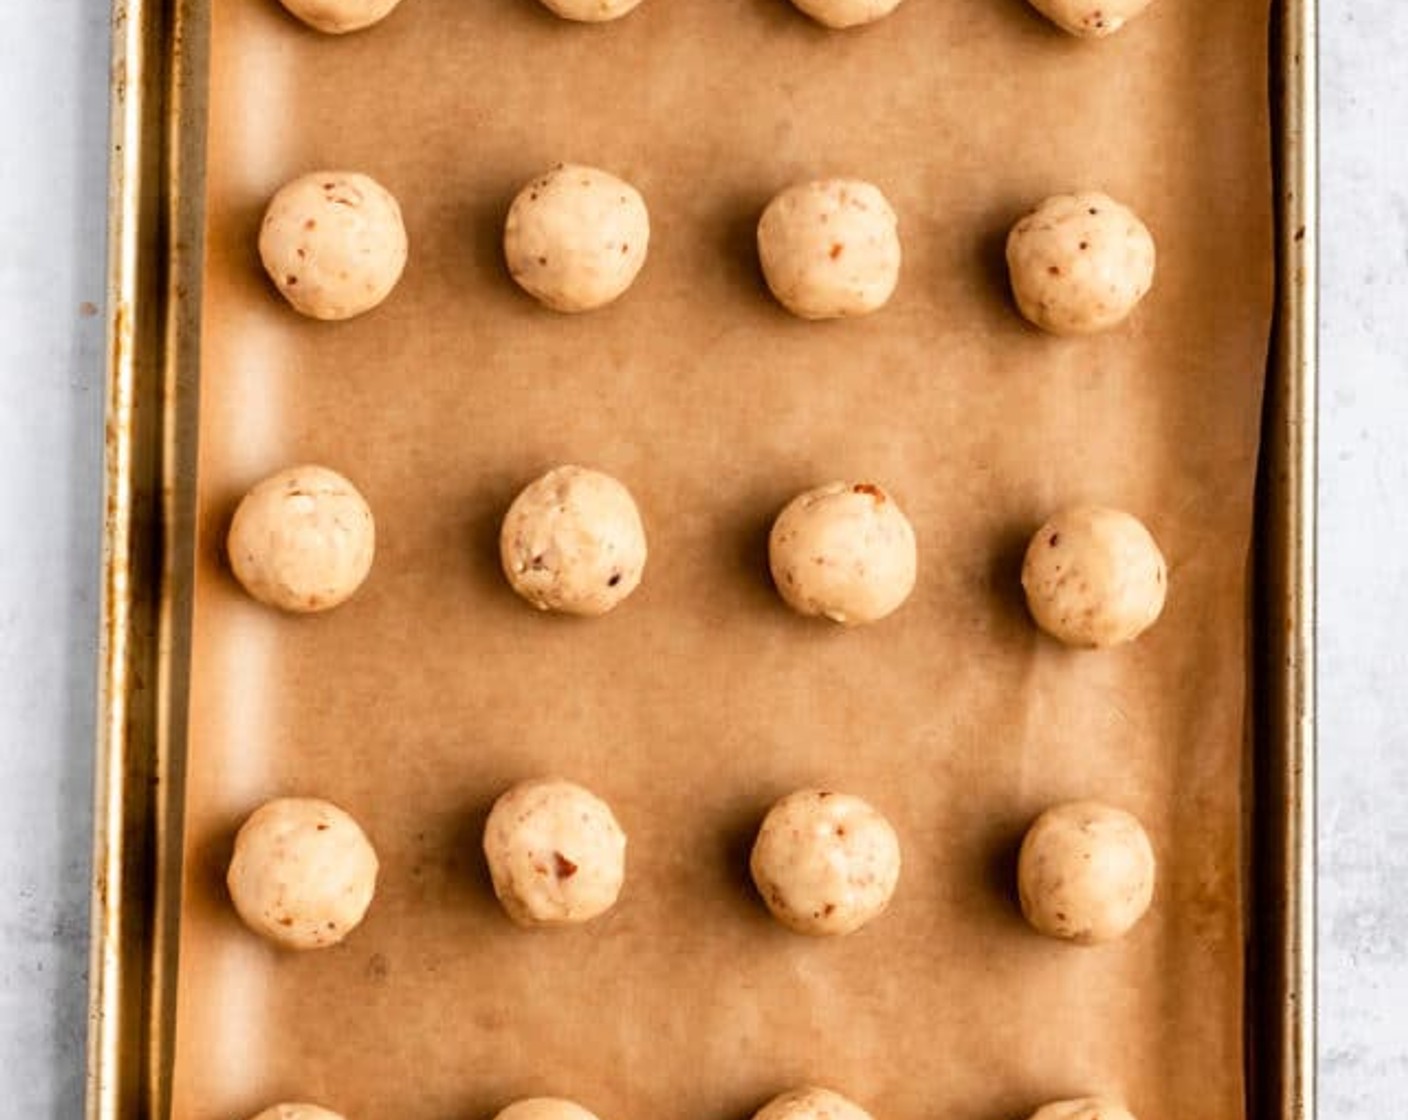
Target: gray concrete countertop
point(53, 105)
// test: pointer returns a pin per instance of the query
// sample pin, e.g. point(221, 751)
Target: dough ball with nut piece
point(545, 1108)
point(573, 542)
point(591, 11)
point(337, 17)
point(1085, 872)
point(825, 863)
point(302, 540)
point(811, 1103)
point(333, 243)
point(303, 873)
point(1090, 19)
point(293, 1111)
point(1094, 577)
point(840, 14)
point(1088, 1108)
point(556, 854)
point(1079, 263)
point(576, 238)
point(844, 551)
point(830, 249)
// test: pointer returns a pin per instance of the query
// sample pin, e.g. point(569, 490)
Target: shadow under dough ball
point(556, 853)
point(844, 551)
point(1090, 19)
point(302, 540)
point(303, 873)
point(1085, 873)
point(825, 863)
point(1087, 1108)
point(573, 542)
point(840, 14)
point(830, 249)
point(1094, 577)
point(333, 243)
point(591, 11)
point(576, 238)
point(1079, 263)
point(297, 1111)
point(811, 1103)
point(337, 17)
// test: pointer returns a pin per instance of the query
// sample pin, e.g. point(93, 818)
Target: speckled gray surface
point(53, 80)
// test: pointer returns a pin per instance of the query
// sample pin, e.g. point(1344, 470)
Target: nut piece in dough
point(1079, 263)
point(576, 237)
point(825, 863)
point(1090, 19)
point(811, 1103)
point(1088, 1108)
point(337, 17)
point(1085, 872)
point(291, 1111)
point(302, 540)
point(830, 249)
point(303, 873)
point(845, 551)
point(556, 853)
point(573, 542)
point(1094, 577)
point(846, 13)
point(591, 11)
point(333, 243)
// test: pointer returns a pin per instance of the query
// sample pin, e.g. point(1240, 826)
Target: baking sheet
point(702, 699)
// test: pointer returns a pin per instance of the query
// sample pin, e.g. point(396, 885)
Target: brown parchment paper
point(702, 699)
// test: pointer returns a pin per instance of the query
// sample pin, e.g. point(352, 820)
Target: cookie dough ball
point(1094, 577)
point(1085, 872)
point(303, 873)
point(1090, 19)
point(337, 17)
point(573, 542)
point(811, 1103)
point(556, 854)
point(830, 249)
point(333, 243)
point(846, 13)
point(591, 11)
point(1090, 1108)
point(825, 863)
point(845, 551)
point(298, 1112)
point(1079, 263)
point(302, 540)
point(576, 238)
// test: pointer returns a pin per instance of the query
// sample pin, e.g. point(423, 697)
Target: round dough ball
point(825, 863)
point(1085, 872)
point(1090, 19)
point(1089, 1108)
point(1079, 263)
point(1094, 577)
point(846, 13)
point(303, 873)
point(333, 243)
point(302, 540)
point(298, 1112)
point(830, 249)
point(811, 1103)
point(845, 551)
point(591, 11)
point(573, 542)
point(576, 237)
point(337, 17)
point(556, 853)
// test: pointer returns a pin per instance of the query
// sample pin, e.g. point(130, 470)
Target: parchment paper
point(702, 699)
